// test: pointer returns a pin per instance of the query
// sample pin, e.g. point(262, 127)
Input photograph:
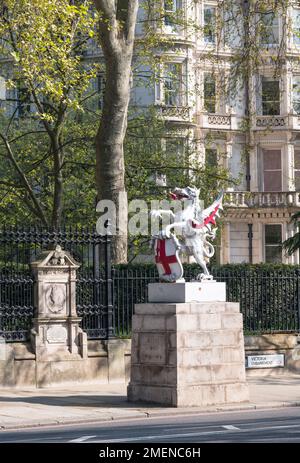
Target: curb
point(149, 414)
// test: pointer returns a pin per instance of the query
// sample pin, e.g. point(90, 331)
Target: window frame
point(296, 42)
point(211, 27)
point(265, 79)
point(180, 143)
point(219, 79)
point(271, 28)
point(271, 170)
point(272, 245)
point(295, 100)
point(174, 6)
point(215, 157)
point(210, 99)
point(97, 88)
point(181, 92)
point(24, 107)
point(296, 169)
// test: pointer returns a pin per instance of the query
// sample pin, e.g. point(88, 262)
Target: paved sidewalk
point(21, 408)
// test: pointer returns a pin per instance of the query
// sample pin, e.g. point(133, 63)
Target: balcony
point(176, 113)
point(271, 122)
point(287, 122)
point(247, 199)
point(261, 123)
point(217, 121)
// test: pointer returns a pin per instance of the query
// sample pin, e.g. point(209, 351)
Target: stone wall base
point(107, 362)
point(287, 344)
point(18, 366)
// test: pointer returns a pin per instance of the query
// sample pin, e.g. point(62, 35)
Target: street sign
point(265, 361)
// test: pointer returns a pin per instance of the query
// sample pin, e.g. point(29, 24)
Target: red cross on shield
point(167, 260)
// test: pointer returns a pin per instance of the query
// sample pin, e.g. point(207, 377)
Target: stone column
point(288, 168)
point(225, 244)
point(228, 151)
point(255, 168)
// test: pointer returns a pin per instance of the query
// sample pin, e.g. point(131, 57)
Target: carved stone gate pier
point(56, 337)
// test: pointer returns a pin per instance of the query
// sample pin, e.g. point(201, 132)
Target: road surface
point(276, 425)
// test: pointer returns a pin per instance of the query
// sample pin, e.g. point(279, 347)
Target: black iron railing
point(269, 297)
point(19, 247)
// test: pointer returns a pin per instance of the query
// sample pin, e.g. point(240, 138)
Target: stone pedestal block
point(195, 291)
point(189, 354)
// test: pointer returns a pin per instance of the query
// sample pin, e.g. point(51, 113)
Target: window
point(270, 97)
point(273, 243)
point(209, 93)
point(272, 174)
point(175, 156)
point(296, 95)
point(91, 48)
point(296, 27)
point(96, 91)
point(11, 100)
point(211, 157)
point(175, 148)
point(209, 30)
point(231, 21)
point(100, 89)
point(23, 101)
point(173, 85)
point(269, 29)
point(159, 179)
point(297, 169)
point(173, 162)
point(171, 8)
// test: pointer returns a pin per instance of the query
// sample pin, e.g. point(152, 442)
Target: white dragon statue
point(195, 225)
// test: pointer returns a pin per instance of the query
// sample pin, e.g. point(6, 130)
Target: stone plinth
point(189, 354)
point(195, 291)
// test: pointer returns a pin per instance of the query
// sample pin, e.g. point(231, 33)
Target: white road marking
point(81, 439)
point(230, 427)
point(196, 434)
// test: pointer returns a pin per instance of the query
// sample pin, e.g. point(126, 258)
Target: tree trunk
point(116, 39)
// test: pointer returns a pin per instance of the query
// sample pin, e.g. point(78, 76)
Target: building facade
point(204, 97)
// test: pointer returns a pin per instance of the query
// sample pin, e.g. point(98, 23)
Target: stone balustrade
point(271, 121)
point(219, 119)
point(262, 199)
point(236, 122)
point(176, 112)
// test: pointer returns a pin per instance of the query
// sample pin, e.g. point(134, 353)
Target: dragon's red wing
point(210, 213)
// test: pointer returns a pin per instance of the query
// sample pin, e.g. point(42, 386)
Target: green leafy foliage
point(292, 244)
point(46, 146)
